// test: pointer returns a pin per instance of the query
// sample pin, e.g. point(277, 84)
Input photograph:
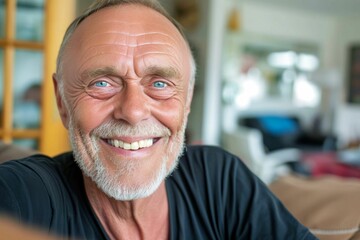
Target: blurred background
point(290, 69)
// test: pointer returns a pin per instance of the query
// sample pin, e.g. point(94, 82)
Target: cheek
point(90, 113)
point(171, 114)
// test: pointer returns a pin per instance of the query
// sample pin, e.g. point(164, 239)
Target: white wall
point(348, 35)
point(211, 128)
point(292, 25)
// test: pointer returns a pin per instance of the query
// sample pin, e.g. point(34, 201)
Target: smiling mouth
point(132, 146)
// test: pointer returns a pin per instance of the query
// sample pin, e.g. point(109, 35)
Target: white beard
point(86, 152)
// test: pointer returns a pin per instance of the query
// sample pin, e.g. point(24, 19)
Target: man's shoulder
point(37, 161)
point(209, 156)
point(213, 166)
point(37, 177)
point(23, 165)
point(33, 167)
point(41, 190)
point(206, 151)
point(211, 162)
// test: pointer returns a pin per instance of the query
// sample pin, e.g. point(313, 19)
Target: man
point(124, 85)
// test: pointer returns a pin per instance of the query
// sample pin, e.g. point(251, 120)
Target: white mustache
point(112, 129)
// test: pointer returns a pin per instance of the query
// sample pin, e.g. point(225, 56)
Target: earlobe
point(59, 102)
point(188, 101)
point(188, 108)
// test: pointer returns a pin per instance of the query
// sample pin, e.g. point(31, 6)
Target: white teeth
point(127, 146)
point(131, 146)
point(141, 143)
point(149, 142)
point(134, 146)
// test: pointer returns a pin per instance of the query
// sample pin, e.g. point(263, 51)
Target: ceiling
point(333, 7)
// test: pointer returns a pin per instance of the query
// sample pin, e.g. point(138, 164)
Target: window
point(30, 35)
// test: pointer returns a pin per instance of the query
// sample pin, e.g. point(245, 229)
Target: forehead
point(133, 19)
point(128, 30)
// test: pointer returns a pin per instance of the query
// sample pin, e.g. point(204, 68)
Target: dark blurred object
point(11, 229)
point(33, 94)
point(329, 163)
point(187, 13)
point(281, 132)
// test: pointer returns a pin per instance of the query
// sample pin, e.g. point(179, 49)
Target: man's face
point(125, 80)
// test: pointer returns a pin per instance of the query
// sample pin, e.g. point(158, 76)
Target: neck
point(146, 218)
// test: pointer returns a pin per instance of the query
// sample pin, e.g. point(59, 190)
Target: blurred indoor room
point(278, 84)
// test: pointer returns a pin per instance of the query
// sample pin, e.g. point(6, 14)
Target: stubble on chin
point(87, 155)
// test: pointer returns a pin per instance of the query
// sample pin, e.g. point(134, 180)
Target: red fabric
point(325, 163)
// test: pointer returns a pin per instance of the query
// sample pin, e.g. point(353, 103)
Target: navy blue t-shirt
point(211, 195)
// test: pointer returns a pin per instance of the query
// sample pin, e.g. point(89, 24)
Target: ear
point(189, 100)
point(60, 103)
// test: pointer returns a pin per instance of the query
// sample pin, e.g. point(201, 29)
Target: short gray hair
point(100, 4)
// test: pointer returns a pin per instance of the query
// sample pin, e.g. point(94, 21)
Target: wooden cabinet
point(30, 35)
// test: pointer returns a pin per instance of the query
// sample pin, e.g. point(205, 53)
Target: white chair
point(247, 144)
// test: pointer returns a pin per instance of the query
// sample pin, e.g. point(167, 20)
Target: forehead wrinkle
point(154, 38)
point(155, 52)
point(132, 31)
point(127, 40)
point(96, 50)
point(98, 54)
point(125, 53)
point(135, 45)
point(122, 47)
point(112, 69)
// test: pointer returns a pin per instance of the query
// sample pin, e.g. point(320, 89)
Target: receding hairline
point(101, 4)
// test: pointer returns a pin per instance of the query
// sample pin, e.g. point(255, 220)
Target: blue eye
point(159, 84)
point(101, 84)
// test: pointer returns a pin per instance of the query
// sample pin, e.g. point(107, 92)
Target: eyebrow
point(166, 72)
point(93, 73)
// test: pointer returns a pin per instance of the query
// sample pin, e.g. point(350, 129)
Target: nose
point(132, 105)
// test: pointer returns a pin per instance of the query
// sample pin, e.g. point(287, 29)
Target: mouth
point(145, 143)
